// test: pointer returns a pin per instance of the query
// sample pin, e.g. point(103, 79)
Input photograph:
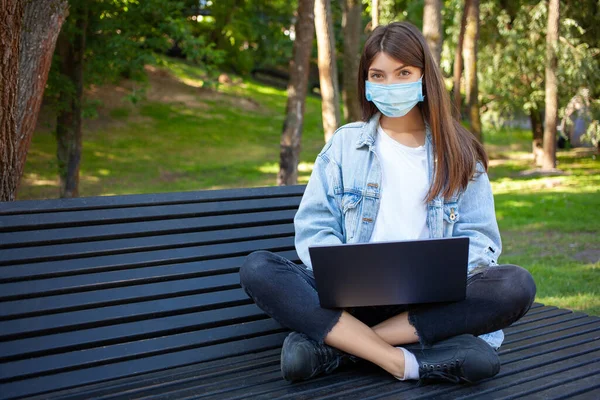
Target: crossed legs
point(496, 297)
point(375, 344)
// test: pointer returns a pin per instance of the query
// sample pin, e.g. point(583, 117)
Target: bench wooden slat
point(121, 295)
point(82, 319)
point(510, 331)
point(586, 387)
point(550, 312)
point(553, 336)
point(126, 277)
point(535, 312)
point(540, 332)
point(123, 332)
point(268, 385)
point(224, 381)
point(253, 385)
point(142, 229)
point(587, 395)
point(136, 349)
point(120, 215)
point(523, 351)
point(92, 203)
point(140, 259)
point(95, 248)
point(130, 386)
point(563, 371)
point(137, 366)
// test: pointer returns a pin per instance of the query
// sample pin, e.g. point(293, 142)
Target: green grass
point(551, 225)
point(229, 137)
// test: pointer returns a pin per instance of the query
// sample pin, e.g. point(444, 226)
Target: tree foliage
point(250, 33)
point(513, 54)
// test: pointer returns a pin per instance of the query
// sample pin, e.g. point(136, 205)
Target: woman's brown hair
point(455, 149)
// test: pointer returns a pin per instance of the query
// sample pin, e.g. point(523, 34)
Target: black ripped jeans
point(496, 297)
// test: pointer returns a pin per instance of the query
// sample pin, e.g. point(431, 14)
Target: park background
point(163, 96)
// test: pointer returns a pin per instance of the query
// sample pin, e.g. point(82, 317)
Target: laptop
point(386, 273)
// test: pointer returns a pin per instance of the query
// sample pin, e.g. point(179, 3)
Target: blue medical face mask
point(395, 100)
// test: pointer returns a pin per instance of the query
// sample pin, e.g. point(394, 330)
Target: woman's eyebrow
point(379, 70)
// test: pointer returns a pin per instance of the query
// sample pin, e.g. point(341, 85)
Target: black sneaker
point(303, 358)
point(463, 358)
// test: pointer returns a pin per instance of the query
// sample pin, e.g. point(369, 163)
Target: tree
point(458, 60)
point(549, 156)
point(470, 56)
point(351, 25)
point(513, 60)
point(374, 14)
point(28, 36)
point(71, 50)
point(104, 42)
point(292, 128)
point(328, 77)
point(432, 27)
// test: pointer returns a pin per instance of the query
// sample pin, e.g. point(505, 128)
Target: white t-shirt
point(402, 211)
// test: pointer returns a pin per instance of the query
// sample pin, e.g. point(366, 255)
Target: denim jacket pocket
point(451, 216)
point(350, 210)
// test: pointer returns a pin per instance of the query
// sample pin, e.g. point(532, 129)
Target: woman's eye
point(375, 76)
point(404, 73)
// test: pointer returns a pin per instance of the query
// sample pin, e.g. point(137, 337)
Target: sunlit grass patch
point(183, 70)
point(586, 302)
point(564, 184)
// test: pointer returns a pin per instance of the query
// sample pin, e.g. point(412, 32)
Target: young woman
point(408, 171)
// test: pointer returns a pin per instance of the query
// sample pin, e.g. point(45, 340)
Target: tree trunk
point(27, 38)
point(551, 113)
point(328, 76)
point(374, 14)
point(11, 20)
point(351, 25)
point(470, 55)
point(69, 120)
point(538, 135)
point(458, 62)
point(292, 128)
point(432, 27)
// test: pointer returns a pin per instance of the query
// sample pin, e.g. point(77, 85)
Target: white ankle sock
point(411, 366)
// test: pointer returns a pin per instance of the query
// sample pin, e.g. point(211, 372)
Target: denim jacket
point(341, 201)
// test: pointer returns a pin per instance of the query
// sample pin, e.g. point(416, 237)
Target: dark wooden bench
point(138, 297)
